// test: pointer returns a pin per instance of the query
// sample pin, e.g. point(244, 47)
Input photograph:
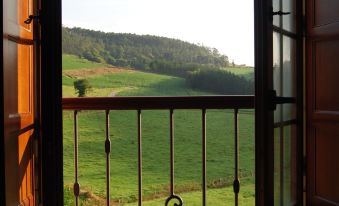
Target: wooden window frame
point(51, 107)
point(264, 144)
point(263, 157)
point(2, 148)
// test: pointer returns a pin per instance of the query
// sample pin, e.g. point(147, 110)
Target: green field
point(132, 84)
point(155, 130)
point(70, 62)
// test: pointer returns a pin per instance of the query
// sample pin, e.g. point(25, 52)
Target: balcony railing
point(171, 104)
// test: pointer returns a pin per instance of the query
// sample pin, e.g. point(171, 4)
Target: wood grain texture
point(326, 74)
point(327, 167)
point(18, 71)
point(325, 12)
point(322, 100)
point(2, 146)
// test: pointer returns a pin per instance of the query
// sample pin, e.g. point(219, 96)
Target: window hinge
point(33, 18)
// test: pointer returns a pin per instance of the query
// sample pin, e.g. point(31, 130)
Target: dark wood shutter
point(322, 77)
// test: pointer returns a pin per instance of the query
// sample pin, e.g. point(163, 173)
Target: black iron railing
point(159, 103)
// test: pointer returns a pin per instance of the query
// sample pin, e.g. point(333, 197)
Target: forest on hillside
point(137, 51)
point(201, 66)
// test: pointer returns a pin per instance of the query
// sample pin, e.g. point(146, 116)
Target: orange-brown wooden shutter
point(19, 102)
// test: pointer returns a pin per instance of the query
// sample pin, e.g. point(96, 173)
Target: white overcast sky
point(227, 25)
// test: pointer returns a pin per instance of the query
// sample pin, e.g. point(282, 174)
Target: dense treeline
point(137, 51)
point(199, 65)
point(175, 68)
point(220, 81)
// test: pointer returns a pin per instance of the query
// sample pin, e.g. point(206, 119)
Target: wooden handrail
point(159, 102)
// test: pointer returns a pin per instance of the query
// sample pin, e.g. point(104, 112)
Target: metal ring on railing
point(174, 197)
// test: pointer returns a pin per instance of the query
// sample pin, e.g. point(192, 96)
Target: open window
point(173, 102)
point(32, 150)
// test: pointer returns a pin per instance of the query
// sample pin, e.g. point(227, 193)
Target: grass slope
point(70, 62)
point(129, 83)
point(133, 84)
point(155, 130)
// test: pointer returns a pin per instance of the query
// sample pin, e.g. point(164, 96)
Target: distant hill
point(203, 68)
point(138, 51)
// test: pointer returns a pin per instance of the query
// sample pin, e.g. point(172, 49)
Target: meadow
point(128, 82)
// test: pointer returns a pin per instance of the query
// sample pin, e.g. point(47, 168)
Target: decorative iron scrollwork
point(174, 197)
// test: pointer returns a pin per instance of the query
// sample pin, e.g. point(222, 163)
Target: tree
point(82, 86)
point(138, 51)
point(92, 56)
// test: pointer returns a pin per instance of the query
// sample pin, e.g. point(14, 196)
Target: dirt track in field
point(82, 73)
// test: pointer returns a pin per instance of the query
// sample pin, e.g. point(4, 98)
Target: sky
point(227, 25)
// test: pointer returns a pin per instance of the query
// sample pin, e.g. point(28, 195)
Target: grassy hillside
point(70, 62)
point(124, 82)
point(220, 143)
point(120, 82)
point(198, 64)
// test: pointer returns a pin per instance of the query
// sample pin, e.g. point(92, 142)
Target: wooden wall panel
point(327, 167)
point(18, 94)
point(325, 12)
point(25, 77)
point(326, 75)
point(322, 102)
point(19, 123)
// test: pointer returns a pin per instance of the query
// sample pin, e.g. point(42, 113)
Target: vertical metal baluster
point(139, 160)
point(76, 186)
point(172, 196)
point(107, 151)
point(236, 182)
point(172, 151)
point(204, 157)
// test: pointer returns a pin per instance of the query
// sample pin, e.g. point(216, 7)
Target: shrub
point(220, 81)
point(81, 87)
